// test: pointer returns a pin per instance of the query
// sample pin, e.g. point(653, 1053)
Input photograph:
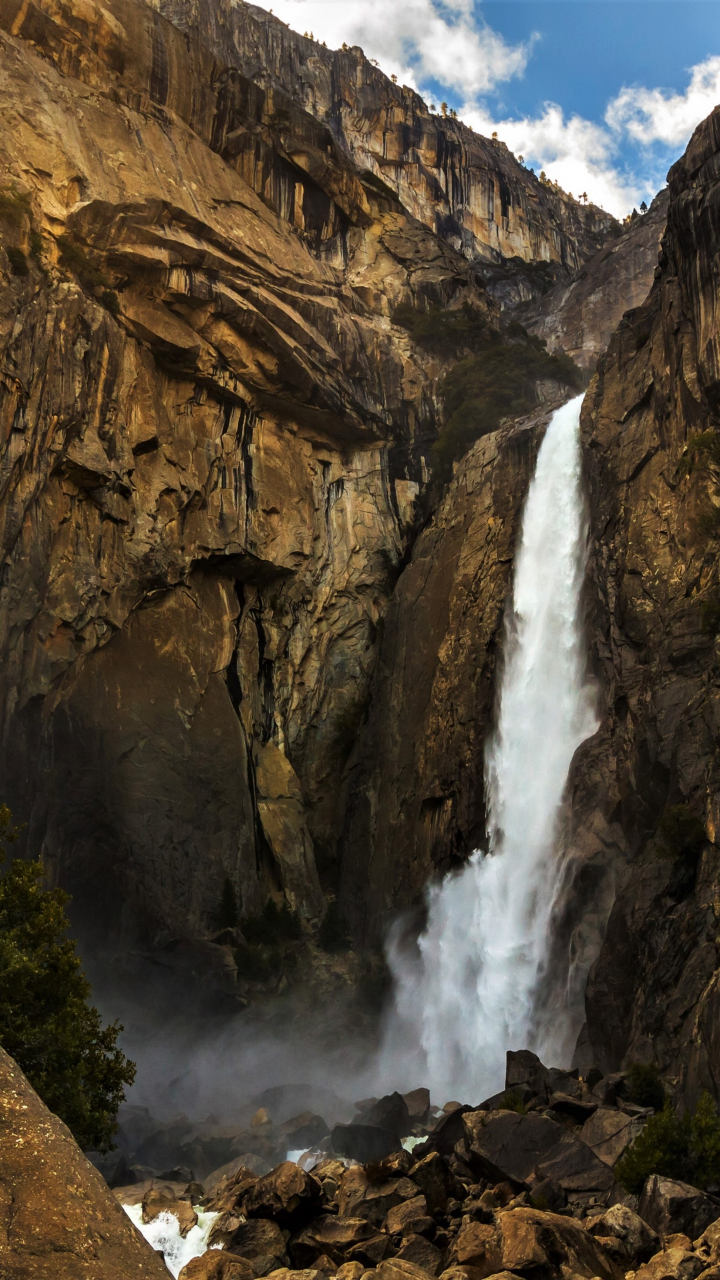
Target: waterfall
point(475, 988)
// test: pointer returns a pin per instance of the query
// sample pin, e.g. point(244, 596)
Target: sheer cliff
point(213, 432)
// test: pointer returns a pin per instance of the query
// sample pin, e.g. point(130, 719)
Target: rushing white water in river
point(474, 992)
point(163, 1233)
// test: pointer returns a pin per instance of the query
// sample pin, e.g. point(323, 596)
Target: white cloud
point(577, 153)
point(652, 115)
point(416, 40)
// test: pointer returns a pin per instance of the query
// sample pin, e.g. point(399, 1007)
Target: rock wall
point(653, 991)
point(579, 318)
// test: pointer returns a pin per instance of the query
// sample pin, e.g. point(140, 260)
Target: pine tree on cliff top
point(46, 1022)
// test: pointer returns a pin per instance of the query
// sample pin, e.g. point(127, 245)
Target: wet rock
point(669, 1206)
point(334, 1236)
point(61, 1220)
point(259, 1240)
point(288, 1195)
point(409, 1218)
point(159, 1200)
point(506, 1145)
point(422, 1253)
point(361, 1197)
point(671, 1264)
point(639, 1241)
point(217, 1265)
point(364, 1142)
point(435, 1180)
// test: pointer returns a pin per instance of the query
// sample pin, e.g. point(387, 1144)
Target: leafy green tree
point(686, 1148)
point(46, 1022)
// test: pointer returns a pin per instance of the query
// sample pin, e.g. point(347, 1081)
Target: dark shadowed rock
point(261, 1242)
point(329, 1235)
point(670, 1207)
point(421, 1253)
point(60, 1221)
point(363, 1142)
point(418, 1105)
point(304, 1131)
point(524, 1067)
point(435, 1180)
point(574, 1108)
point(506, 1145)
point(288, 1195)
point(391, 1113)
point(447, 1132)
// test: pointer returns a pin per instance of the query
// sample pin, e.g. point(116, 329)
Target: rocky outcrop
point(579, 318)
point(415, 781)
point(58, 1219)
point(647, 787)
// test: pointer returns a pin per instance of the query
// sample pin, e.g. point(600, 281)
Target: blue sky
point(602, 94)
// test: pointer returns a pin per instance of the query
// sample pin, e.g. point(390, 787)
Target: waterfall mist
point(473, 989)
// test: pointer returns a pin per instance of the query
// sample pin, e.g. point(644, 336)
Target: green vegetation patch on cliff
point(499, 383)
point(685, 1148)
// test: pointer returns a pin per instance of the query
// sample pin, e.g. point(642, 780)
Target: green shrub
point(273, 925)
point(685, 1148)
point(227, 913)
point(703, 446)
point(480, 391)
point(447, 331)
point(681, 833)
point(333, 932)
point(256, 964)
point(46, 1022)
point(18, 262)
point(644, 1086)
point(14, 207)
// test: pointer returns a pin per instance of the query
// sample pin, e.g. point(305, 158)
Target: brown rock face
point(579, 318)
point(653, 992)
point(58, 1219)
point(415, 784)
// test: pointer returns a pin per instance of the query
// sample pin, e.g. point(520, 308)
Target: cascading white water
point(473, 992)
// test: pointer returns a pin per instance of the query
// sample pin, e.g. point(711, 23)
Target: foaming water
point(163, 1233)
point(474, 990)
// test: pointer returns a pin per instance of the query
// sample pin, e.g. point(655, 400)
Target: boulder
point(287, 1194)
point(447, 1131)
point(610, 1088)
point(391, 1113)
point(350, 1271)
point(329, 1235)
point(233, 1173)
point(217, 1265)
point(399, 1269)
point(530, 1241)
point(418, 1105)
point(609, 1132)
point(358, 1197)
point(671, 1264)
point(421, 1253)
point(639, 1241)
point(523, 1067)
point(363, 1142)
point(304, 1131)
point(564, 1104)
point(708, 1244)
point(259, 1240)
point(409, 1218)
point(60, 1219)
point(435, 1181)
point(161, 1199)
point(477, 1245)
point(670, 1206)
point(567, 1082)
point(504, 1145)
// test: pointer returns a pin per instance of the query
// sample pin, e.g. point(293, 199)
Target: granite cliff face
point(648, 787)
point(213, 433)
